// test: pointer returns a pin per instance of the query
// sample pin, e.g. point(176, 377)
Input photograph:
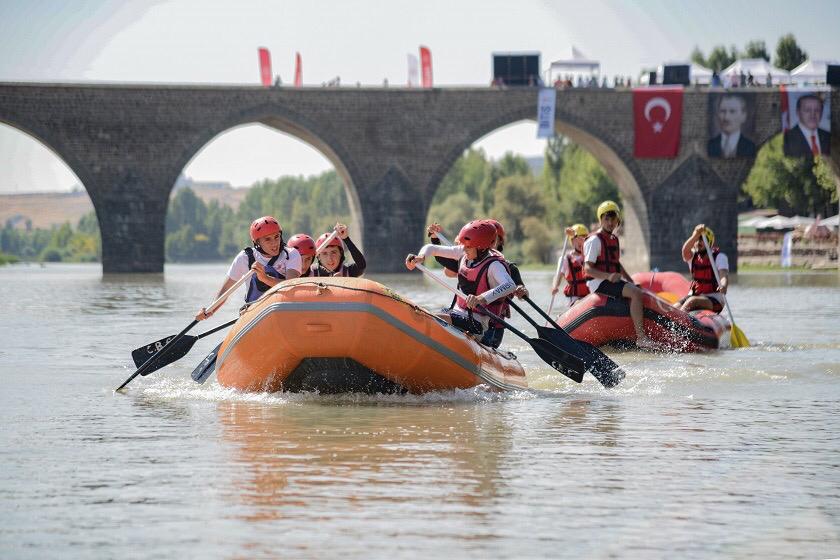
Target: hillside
point(47, 209)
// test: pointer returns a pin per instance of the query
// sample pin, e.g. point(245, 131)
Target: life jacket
point(318, 270)
point(704, 281)
point(473, 280)
point(608, 258)
point(257, 288)
point(575, 276)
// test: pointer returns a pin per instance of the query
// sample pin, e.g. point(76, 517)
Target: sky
point(216, 41)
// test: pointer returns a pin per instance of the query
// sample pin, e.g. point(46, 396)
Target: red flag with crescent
point(298, 71)
point(426, 67)
point(265, 67)
point(657, 120)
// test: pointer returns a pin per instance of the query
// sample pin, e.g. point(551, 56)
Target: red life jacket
point(608, 258)
point(702, 273)
point(473, 280)
point(575, 276)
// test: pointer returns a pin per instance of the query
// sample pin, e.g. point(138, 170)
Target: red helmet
point(264, 226)
point(478, 234)
point(336, 242)
point(500, 231)
point(303, 243)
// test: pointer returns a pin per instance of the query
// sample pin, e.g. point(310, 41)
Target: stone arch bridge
point(392, 147)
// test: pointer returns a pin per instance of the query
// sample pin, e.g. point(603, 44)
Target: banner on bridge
point(806, 121)
point(657, 121)
point(546, 102)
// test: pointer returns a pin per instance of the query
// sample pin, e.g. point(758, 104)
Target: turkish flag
point(657, 120)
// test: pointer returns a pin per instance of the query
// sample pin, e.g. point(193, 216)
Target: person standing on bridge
point(269, 258)
point(331, 260)
point(601, 254)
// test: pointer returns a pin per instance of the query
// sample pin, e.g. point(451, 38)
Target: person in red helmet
point(269, 258)
point(305, 245)
point(483, 276)
point(330, 261)
point(499, 246)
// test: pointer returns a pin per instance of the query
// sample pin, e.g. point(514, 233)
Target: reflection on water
point(361, 457)
point(726, 454)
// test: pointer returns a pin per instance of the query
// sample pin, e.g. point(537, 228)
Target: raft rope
point(389, 294)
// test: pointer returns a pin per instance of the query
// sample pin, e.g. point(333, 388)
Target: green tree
point(585, 185)
point(788, 53)
point(517, 197)
point(697, 57)
point(720, 58)
point(801, 185)
point(756, 49)
point(186, 209)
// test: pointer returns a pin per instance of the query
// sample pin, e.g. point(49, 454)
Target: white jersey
point(498, 278)
point(289, 259)
point(591, 251)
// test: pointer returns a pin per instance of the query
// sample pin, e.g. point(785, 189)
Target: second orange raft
point(600, 320)
point(353, 335)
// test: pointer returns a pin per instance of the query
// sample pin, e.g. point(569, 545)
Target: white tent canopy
point(778, 222)
point(578, 65)
point(758, 67)
point(833, 221)
point(811, 72)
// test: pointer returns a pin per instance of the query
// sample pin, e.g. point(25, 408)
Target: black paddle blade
point(206, 367)
point(570, 366)
point(602, 368)
point(182, 346)
point(595, 361)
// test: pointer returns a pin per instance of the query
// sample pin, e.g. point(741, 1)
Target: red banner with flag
point(265, 67)
point(298, 71)
point(657, 120)
point(426, 67)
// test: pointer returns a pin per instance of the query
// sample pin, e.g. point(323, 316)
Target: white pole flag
point(545, 112)
point(413, 71)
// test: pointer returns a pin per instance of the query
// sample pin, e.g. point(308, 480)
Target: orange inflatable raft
point(353, 335)
point(600, 320)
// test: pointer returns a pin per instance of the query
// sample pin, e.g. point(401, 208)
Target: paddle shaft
point(326, 243)
point(484, 310)
point(171, 344)
point(556, 282)
point(717, 276)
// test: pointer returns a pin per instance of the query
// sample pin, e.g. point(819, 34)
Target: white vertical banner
point(546, 101)
point(413, 71)
point(787, 249)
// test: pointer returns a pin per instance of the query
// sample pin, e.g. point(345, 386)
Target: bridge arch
point(292, 124)
point(622, 171)
point(59, 151)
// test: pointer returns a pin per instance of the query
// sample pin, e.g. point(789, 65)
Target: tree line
point(534, 208)
point(788, 54)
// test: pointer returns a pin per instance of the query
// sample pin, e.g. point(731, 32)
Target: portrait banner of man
point(806, 121)
point(731, 125)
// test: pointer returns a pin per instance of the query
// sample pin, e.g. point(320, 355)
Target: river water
point(734, 453)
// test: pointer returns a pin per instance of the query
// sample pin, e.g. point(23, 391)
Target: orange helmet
point(266, 225)
point(478, 234)
point(336, 242)
point(303, 243)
